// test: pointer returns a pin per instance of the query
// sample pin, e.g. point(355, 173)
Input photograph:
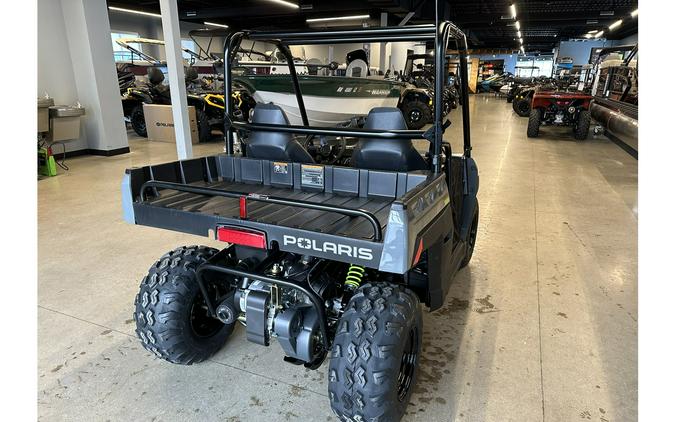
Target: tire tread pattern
point(533, 123)
point(366, 353)
point(583, 125)
point(163, 306)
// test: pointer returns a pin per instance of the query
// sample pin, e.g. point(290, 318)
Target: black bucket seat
point(394, 154)
point(274, 145)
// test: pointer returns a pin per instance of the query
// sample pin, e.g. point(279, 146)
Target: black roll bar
point(331, 131)
point(440, 32)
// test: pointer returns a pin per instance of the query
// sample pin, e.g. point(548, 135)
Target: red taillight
point(243, 211)
point(252, 238)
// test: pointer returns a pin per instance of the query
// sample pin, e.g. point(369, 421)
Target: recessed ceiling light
point(593, 31)
point(519, 35)
point(135, 12)
point(285, 3)
point(216, 24)
point(616, 24)
point(513, 10)
point(518, 25)
point(338, 18)
point(634, 13)
point(599, 34)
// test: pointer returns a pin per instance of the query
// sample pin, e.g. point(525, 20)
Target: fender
point(196, 101)
point(415, 94)
point(138, 95)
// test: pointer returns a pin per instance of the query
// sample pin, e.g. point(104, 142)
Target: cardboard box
point(159, 123)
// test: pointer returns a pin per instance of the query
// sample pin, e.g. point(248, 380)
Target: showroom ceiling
point(487, 23)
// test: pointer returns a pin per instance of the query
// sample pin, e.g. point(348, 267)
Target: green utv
point(333, 262)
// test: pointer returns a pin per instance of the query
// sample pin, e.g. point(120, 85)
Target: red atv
point(561, 109)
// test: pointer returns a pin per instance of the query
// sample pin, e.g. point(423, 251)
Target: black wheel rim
point(406, 372)
point(524, 107)
point(415, 115)
point(203, 326)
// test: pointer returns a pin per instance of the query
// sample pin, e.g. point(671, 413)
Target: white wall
point(55, 68)
point(74, 65)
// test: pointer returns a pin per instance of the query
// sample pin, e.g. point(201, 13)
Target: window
point(531, 66)
point(190, 45)
point(120, 53)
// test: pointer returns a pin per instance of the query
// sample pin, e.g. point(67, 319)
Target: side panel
point(407, 218)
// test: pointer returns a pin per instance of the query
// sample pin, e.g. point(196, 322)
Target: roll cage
point(440, 33)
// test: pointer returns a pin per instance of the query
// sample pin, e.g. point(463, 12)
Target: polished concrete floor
point(542, 325)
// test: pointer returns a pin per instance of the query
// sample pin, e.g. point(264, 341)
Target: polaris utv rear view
point(331, 261)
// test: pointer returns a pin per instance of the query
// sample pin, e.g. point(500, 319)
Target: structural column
point(174, 62)
point(383, 45)
point(88, 33)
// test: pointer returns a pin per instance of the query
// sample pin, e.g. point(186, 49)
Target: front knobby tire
point(375, 354)
point(416, 114)
point(137, 118)
point(522, 107)
point(533, 123)
point(171, 318)
point(583, 125)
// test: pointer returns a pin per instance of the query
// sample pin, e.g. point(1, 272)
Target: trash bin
point(43, 104)
point(65, 122)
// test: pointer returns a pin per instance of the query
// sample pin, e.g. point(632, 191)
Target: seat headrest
point(385, 118)
point(269, 113)
point(155, 76)
point(191, 74)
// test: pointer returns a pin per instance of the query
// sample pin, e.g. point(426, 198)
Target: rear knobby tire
point(378, 338)
point(533, 123)
point(137, 118)
point(170, 315)
point(583, 125)
point(471, 239)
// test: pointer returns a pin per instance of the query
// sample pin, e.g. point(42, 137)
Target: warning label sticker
point(312, 176)
point(280, 168)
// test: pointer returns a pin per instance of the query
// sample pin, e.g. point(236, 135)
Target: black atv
point(156, 92)
point(331, 261)
point(416, 102)
point(208, 105)
point(522, 97)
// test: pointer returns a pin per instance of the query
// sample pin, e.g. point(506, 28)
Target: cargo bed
point(197, 196)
